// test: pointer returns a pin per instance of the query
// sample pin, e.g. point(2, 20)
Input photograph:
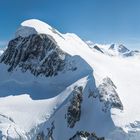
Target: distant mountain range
point(113, 49)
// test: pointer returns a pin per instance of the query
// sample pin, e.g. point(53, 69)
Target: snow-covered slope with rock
point(118, 50)
point(54, 87)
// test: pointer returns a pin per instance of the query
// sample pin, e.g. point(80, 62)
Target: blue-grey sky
point(102, 21)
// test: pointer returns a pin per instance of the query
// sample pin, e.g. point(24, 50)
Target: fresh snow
point(48, 96)
point(1, 51)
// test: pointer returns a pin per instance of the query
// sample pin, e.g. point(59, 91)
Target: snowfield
point(1, 51)
point(39, 106)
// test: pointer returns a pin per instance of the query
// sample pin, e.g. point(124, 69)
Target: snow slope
point(35, 104)
point(118, 50)
point(1, 51)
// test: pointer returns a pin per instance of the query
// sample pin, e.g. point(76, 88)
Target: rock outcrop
point(108, 95)
point(98, 49)
point(74, 110)
point(132, 53)
point(83, 135)
point(122, 49)
point(50, 132)
point(49, 136)
point(112, 47)
point(40, 136)
point(38, 53)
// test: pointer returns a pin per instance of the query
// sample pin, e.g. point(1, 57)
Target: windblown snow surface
point(1, 51)
point(29, 104)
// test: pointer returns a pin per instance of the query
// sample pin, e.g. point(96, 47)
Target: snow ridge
point(59, 87)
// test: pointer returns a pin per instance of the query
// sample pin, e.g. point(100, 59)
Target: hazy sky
point(102, 21)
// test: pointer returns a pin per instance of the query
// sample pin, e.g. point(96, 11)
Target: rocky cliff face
point(74, 110)
point(108, 95)
point(132, 53)
point(83, 135)
point(98, 49)
point(38, 53)
point(122, 49)
point(49, 136)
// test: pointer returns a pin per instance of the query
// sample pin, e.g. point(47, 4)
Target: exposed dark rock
point(108, 95)
point(38, 53)
point(92, 93)
point(132, 53)
point(112, 47)
point(98, 49)
point(122, 49)
point(40, 136)
point(50, 132)
point(80, 135)
point(74, 110)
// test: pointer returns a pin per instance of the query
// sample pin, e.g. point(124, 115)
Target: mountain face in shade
point(122, 49)
point(37, 53)
point(112, 47)
point(55, 86)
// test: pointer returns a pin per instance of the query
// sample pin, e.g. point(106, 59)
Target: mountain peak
point(112, 47)
point(35, 23)
point(35, 26)
point(122, 49)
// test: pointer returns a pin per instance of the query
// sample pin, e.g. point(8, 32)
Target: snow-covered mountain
point(113, 49)
point(1, 51)
point(54, 87)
